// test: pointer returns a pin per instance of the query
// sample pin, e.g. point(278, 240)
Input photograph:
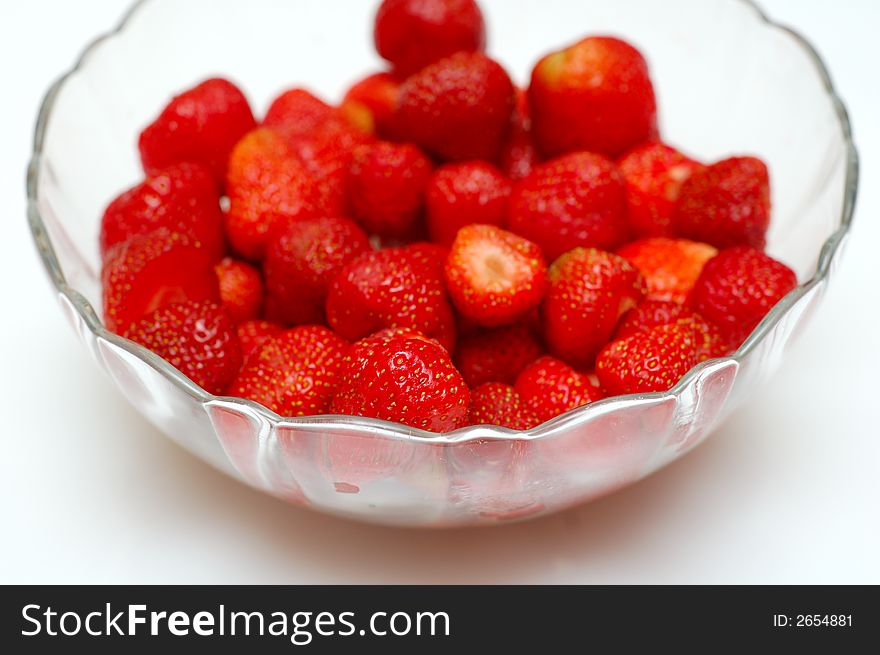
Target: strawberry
point(387, 334)
point(654, 174)
point(462, 194)
point(302, 258)
point(358, 117)
point(494, 403)
point(241, 289)
point(196, 337)
point(550, 387)
point(295, 373)
point(711, 341)
point(595, 95)
point(651, 313)
point(256, 149)
point(182, 197)
point(494, 277)
point(576, 200)
point(522, 113)
point(419, 236)
point(457, 108)
point(149, 271)
point(669, 266)
point(327, 153)
point(321, 137)
point(253, 334)
point(407, 378)
point(394, 287)
point(330, 139)
point(296, 112)
point(653, 359)
point(370, 103)
point(519, 156)
point(431, 255)
point(414, 33)
point(386, 187)
point(200, 125)
point(589, 291)
point(267, 185)
point(726, 204)
point(738, 287)
point(496, 354)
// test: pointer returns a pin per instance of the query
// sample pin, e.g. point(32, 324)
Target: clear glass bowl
point(728, 81)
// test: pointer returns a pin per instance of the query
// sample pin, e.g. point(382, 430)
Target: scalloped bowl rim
point(389, 429)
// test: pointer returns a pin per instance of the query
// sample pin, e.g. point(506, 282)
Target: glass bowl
point(728, 81)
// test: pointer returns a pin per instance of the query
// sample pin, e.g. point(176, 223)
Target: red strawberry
point(726, 204)
point(302, 259)
point(295, 373)
point(241, 289)
point(182, 198)
point(519, 156)
point(255, 149)
point(457, 108)
point(651, 313)
point(296, 112)
point(669, 266)
point(595, 95)
point(388, 334)
point(150, 271)
point(358, 117)
point(414, 33)
point(497, 354)
point(494, 277)
point(253, 334)
point(386, 187)
point(589, 291)
point(196, 337)
point(462, 194)
point(576, 200)
point(394, 287)
point(711, 341)
point(522, 113)
point(200, 125)
point(404, 378)
point(550, 387)
point(330, 139)
point(327, 152)
point(738, 287)
point(494, 403)
point(654, 174)
point(653, 359)
point(370, 103)
point(431, 255)
point(380, 243)
point(266, 186)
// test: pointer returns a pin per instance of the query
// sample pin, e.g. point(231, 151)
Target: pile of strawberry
point(442, 248)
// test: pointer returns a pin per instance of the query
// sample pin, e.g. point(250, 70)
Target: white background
point(787, 491)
